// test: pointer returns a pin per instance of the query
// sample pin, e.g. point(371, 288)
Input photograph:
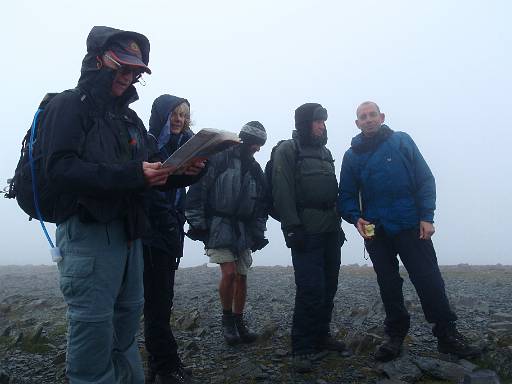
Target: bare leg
point(240, 294)
point(227, 284)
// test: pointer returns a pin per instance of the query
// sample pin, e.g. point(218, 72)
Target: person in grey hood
point(99, 159)
point(169, 125)
point(227, 211)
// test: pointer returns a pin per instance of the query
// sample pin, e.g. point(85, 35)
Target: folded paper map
point(205, 143)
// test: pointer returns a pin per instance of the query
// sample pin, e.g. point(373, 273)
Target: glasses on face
point(125, 69)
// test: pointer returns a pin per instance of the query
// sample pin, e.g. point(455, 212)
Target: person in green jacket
point(304, 190)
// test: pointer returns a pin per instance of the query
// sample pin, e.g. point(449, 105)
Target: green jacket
point(304, 187)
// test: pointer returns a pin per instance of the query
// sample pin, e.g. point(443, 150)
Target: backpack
point(268, 178)
point(29, 185)
point(28, 177)
point(299, 157)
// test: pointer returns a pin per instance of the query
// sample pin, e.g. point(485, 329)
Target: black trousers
point(159, 271)
point(316, 270)
point(420, 261)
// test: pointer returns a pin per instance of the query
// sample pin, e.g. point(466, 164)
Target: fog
point(439, 70)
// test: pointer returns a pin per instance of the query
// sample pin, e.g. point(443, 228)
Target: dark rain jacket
point(304, 186)
point(397, 187)
point(229, 202)
point(96, 145)
point(166, 209)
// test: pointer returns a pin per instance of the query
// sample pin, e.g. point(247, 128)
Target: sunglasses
point(125, 69)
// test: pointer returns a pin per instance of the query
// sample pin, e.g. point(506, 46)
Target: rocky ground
point(33, 328)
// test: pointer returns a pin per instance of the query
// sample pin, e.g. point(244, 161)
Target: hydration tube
point(54, 251)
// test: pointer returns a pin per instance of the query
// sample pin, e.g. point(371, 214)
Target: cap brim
point(126, 59)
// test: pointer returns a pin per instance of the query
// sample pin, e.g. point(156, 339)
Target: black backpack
point(268, 178)
point(29, 186)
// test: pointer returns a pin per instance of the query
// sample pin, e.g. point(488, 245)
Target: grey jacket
point(229, 201)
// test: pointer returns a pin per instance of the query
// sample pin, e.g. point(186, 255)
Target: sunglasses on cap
point(125, 69)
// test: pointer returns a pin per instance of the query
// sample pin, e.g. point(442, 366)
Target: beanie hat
point(253, 133)
point(307, 113)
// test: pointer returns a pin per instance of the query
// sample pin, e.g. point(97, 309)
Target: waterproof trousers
point(316, 268)
point(419, 259)
point(101, 281)
point(159, 271)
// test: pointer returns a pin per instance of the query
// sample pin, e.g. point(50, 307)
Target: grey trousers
point(101, 280)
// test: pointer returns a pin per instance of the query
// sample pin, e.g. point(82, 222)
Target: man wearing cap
point(97, 152)
point(169, 124)
point(227, 211)
point(388, 192)
point(304, 190)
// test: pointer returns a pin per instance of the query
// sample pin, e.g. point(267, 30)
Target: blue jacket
point(397, 187)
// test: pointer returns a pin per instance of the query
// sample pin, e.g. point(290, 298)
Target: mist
point(439, 70)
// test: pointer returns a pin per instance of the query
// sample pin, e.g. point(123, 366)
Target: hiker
point(227, 211)
point(304, 190)
point(169, 124)
point(388, 192)
point(96, 157)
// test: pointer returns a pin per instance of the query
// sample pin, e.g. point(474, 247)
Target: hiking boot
point(453, 342)
point(329, 343)
point(183, 370)
point(302, 363)
point(175, 377)
point(246, 336)
point(229, 329)
point(177, 366)
point(390, 349)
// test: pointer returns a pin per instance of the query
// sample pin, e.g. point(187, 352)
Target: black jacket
point(96, 145)
point(166, 208)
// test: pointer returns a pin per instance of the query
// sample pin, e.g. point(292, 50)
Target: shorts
point(223, 255)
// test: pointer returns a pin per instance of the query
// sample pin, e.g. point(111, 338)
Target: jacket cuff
point(427, 216)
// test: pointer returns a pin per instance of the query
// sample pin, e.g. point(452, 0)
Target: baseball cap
point(127, 52)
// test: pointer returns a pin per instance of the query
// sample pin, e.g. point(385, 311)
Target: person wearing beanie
point(227, 211)
point(169, 126)
point(392, 207)
point(304, 190)
point(99, 159)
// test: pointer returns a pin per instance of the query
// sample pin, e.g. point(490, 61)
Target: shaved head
point(369, 118)
point(365, 104)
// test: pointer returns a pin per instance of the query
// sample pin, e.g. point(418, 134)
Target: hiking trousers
point(419, 259)
point(159, 271)
point(316, 269)
point(101, 281)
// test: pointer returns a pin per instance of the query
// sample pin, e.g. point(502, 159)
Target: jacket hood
point(160, 113)
point(100, 80)
point(304, 117)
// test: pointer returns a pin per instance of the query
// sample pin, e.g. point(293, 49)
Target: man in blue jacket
point(388, 192)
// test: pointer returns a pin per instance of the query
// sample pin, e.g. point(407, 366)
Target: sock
point(227, 312)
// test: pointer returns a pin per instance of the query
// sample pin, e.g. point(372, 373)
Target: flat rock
point(501, 325)
point(501, 316)
point(402, 369)
point(440, 369)
point(484, 376)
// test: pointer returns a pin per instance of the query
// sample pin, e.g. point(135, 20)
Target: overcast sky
point(440, 71)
